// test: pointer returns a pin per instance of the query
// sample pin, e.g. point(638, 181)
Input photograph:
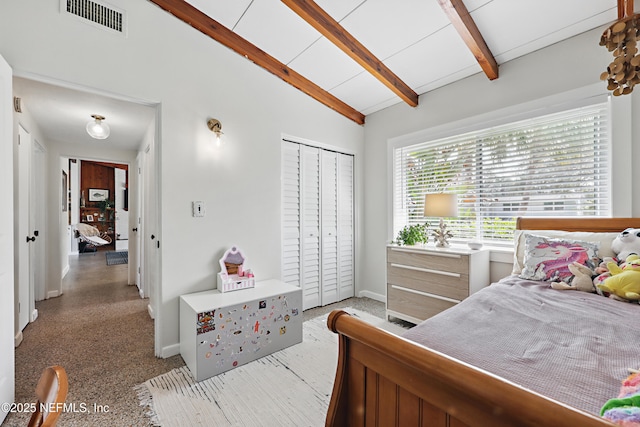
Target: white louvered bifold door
point(310, 226)
point(346, 237)
point(317, 223)
point(329, 218)
point(291, 213)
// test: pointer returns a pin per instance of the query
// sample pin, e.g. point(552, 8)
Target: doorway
point(58, 114)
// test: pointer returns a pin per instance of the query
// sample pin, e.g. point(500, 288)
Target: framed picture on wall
point(97, 195)
point(89, 218)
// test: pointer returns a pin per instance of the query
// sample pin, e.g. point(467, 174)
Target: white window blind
point(552, 165)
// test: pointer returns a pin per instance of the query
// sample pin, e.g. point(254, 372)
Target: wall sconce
point(96, 129)
point(441, 205)
point(215, 126)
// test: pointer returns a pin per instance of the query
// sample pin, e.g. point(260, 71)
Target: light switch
point(198, 209)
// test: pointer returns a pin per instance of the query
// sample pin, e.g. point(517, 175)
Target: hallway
point(99, 330)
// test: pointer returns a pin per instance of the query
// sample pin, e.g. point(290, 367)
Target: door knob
point(135, 230)
point(153, 236)
point(31, 239)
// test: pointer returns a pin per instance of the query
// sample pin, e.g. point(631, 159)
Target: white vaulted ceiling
point(413, 38)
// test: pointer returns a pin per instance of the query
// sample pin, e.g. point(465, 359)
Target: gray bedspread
point(571, 346)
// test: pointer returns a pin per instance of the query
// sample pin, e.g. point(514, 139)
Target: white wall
point(193, 77)
point(564, 70)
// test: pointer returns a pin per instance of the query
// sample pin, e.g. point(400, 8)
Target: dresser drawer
point(441, 261)
point(451, 285)
point(440, 273)
point(424, 280)
point(415, 305)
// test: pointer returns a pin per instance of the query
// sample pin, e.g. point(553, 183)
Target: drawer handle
point(426, 294)
point(426, 270)
point(425, 252)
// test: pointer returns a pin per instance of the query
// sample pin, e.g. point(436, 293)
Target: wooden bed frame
point(385, 380)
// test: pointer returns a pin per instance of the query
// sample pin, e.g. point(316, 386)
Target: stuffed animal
point(581, 280)
point(625, 409)
point(602, 268)
point(624, 283)
point(627, 243)
point(602, 273)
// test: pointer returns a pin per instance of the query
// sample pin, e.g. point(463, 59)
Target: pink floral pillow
point(548, 259)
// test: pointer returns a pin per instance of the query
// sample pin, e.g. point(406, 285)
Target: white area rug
point(291, 387)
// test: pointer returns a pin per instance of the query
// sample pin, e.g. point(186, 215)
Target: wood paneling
point(96, 175)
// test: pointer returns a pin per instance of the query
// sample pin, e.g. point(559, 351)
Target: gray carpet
point(99, 330)
point(119, 257)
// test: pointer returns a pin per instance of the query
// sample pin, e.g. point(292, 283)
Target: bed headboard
point(600, 225)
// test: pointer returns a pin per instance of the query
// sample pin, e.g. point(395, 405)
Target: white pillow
point(547, 258)
point(602, 239)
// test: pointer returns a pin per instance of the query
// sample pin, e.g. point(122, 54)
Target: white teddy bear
point(626, 243)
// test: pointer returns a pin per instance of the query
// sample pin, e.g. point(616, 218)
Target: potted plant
point(413, 234)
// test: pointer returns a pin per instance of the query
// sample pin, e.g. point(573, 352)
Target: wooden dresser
point(423, 281)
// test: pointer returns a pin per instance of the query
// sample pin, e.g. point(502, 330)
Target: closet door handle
point(153, 236)
point(31, 239)
point(135, 230)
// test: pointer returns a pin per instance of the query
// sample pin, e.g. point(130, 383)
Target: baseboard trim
point(53, 294)
point(150, 311)
point(17, 340)
point(65, 270)
point(372, 295)
point(171, 350)
point(34, 315)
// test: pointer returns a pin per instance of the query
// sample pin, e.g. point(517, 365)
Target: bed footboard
point(385, 380)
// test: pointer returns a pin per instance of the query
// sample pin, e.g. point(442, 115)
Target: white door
point(317, 223)
point(121, 215)
point(26, 239)
point(150, 237)
point(136, 227)
point(291, 213)
point(329, 220)
point(310, 226)
point(37, 220)
point(346, 225)
point(7, 375)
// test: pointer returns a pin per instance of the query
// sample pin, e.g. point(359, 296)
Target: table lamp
point(441, 205)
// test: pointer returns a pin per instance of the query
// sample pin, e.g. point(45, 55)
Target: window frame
point(620, 137)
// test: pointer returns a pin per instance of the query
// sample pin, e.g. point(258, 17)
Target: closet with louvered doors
point(317, 223)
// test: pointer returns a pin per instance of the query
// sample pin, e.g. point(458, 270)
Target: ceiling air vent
point(99, 14)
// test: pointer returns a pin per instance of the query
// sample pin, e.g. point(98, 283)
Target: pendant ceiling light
point(97, 129)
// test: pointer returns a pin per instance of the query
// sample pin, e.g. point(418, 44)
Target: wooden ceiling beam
point(210, 27)
point(625, 8)
point(334, 32)
point(466, 27)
